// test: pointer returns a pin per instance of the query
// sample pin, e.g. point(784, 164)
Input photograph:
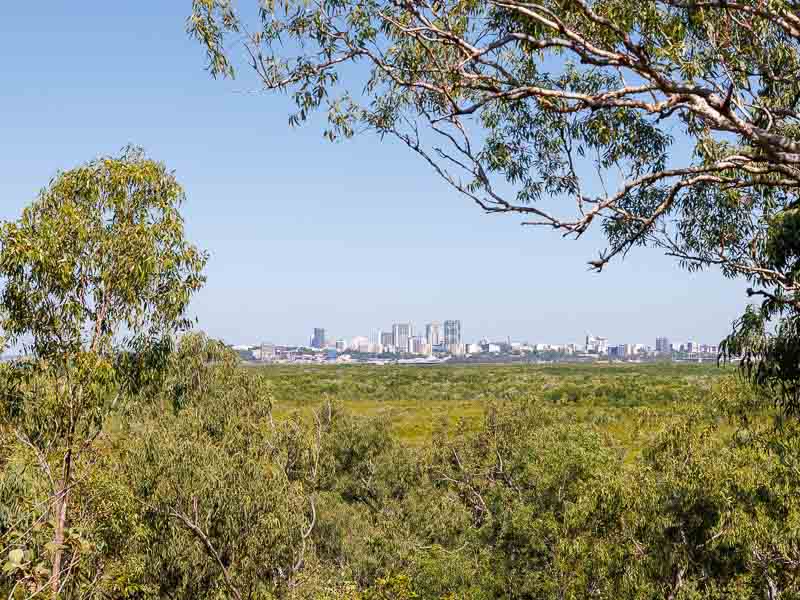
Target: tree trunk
point(61, 519)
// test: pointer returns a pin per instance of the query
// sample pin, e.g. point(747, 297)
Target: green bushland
point(223, 481)
point(417, 399)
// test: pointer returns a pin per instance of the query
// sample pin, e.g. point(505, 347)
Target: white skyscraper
point(452, 332)
point(401, 332)
point(433, 333)
point(596, 344)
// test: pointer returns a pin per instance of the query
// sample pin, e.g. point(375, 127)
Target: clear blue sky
point(303, 233)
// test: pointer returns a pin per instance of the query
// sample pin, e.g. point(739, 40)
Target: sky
point(302, 233)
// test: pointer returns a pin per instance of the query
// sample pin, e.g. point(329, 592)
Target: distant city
point(443, 341)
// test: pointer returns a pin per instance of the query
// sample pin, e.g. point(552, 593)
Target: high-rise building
point(387, 339)
point(596, 344)
point(318, 341)
point(433, 333)
point(618, 351)
point(452, 332)
point(401, 332)
point(663, 346)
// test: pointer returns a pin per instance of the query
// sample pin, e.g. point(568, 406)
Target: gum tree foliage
point(220, 514)
point(97, 275)
point(668, 123)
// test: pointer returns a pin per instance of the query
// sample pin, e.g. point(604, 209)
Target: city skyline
point(402, 345)
point(401, 335)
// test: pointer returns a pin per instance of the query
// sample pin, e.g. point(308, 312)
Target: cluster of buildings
point(443, 341)
point(438, 338)
point(663, 348)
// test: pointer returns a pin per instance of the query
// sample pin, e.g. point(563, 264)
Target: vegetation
point(97, 276)
point(140, 460)
point(417, 400)
point(219, 480)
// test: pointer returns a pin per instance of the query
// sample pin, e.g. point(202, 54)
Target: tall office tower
point(318, 341)
point(452, 332)
point(387, 339)
point(663, 346)
point(433, 333)
point(596, 344)
point(375, 337)
point(400, 334)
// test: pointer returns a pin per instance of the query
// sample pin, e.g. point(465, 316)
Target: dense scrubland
point(223, 481)
point(415, 400)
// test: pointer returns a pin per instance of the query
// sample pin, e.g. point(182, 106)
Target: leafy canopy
point(99, 258)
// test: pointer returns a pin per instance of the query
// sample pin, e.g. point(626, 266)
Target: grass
point(625, 401)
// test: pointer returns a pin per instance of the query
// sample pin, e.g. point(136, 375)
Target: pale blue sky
point(302, 233)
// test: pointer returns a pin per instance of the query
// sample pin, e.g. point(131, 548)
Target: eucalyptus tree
point(96, 272)
point(220, 513)
point(668, 123)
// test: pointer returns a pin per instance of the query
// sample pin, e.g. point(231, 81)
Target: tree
point(668, 123)
point(96, 272)
point(220, 514)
